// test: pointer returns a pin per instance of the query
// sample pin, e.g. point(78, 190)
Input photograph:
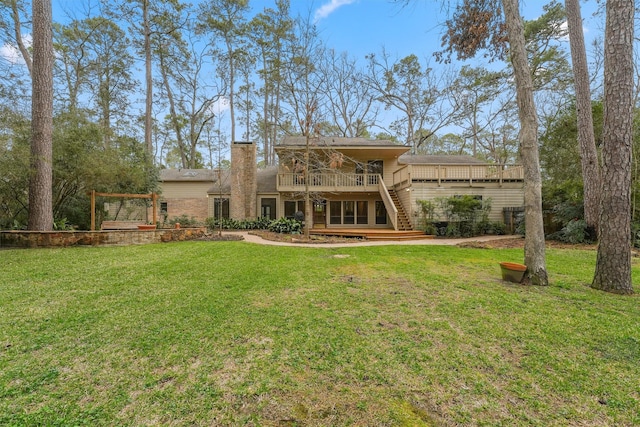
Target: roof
point(416, 159)
point(188, 175)
point(266, 181)
point(336, 141)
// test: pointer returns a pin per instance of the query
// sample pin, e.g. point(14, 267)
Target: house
point(351, 182)
point(184, 192)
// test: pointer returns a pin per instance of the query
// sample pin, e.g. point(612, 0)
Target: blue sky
point(365, 26)
point(361, 27)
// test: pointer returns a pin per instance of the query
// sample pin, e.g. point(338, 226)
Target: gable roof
point(265, 178)
point(185, 175)
point(335, 142)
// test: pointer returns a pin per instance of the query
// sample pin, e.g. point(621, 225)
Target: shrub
point(184, 221)
point(574, 232)
point(284, 225)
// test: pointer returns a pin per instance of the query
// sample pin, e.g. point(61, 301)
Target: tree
point(41, 177)
point(481, 96)
point(420, 95)
point(94, 60)
point(478, 25)
point(147, 19)
point(269, 33)
point(190, 97)
point(534, 257)
point(226, 19)
point(351, 102)
point(302, 83)
point(613, 264)
point(586, 138)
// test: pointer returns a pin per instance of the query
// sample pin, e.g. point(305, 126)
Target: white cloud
point(220, 106)
point(565, 27)
point(11, 53)
point(328, 8)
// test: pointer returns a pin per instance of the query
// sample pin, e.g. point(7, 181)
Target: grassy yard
point(232, 334)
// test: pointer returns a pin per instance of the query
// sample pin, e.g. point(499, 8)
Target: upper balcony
point(467, 173)
point(329, 182)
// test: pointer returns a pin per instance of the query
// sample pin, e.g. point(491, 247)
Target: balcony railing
point(329, 182)
point(458, 173)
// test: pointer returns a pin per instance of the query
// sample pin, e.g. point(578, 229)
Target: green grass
point(230, 333)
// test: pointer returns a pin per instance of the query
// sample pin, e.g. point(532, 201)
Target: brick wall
point(198, 208)
point(244, 186)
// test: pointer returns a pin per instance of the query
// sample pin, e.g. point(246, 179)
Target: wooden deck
point(371, 234)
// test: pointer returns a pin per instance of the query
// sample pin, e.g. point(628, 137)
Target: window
point(381, 212)
point(291, 207)
point(220, 207)
point(349, 212)
point(362, 207)
point(268, 208)
point(335, 212)
point(375, 167)
point(163, 208)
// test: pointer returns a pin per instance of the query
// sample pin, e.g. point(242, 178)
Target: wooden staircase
point(404, 224)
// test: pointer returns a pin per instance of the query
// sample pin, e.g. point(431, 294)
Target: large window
point(381, 212)
point(349, 212)
point(220, 207)
point(291, 207)
point(335, 212)
point(362, 207)
point(268, 208)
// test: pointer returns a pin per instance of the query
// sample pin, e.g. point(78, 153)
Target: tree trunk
point(534, 246)
point(18, 33)
point(148, 123)
point(41, 177)
point(613, 264)
point(232, 82)
point(586, 138)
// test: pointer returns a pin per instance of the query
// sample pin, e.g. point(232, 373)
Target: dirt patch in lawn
point(518, 242)
point(299, 238)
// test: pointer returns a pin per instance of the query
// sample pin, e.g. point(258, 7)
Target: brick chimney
point(244, 185)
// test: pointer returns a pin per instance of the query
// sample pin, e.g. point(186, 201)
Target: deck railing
point(458, 173)
point(329, 182)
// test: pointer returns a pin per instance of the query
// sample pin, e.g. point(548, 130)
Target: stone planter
point(512, 272)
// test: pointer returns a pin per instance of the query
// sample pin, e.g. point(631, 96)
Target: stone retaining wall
point(49, 239)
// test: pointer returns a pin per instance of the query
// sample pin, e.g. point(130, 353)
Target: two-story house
point(351, 183)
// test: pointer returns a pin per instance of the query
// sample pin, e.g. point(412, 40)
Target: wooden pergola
point(152, 196)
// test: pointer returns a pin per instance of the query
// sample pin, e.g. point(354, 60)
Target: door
point(320, 214)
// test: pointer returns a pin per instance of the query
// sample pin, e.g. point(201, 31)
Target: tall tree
point(479, 24)
point(418, 93)
point(226, 19)
point(302, 83)
point(534, 257)
point(148, 19)
point(41, 178)
point(586, 137)
point(613, 264)
point(94, 63)
point(481, 95)
point(270, 31)
point(190, 97)
point(351, 102)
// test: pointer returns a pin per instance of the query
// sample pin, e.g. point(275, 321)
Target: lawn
point(233, 334)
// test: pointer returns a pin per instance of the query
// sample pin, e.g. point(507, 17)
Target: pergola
point(152, 196)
